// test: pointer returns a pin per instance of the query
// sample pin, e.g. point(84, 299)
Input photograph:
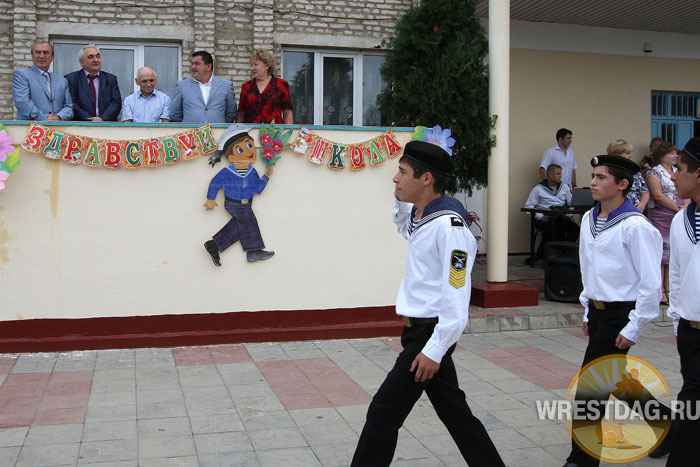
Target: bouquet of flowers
point(9, 156)
point(272, 141)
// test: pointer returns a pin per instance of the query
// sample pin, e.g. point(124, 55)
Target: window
point(333, 88)
point(675, 116)
point(123, 59)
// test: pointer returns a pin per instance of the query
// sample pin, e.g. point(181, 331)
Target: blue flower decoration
point(440, 137)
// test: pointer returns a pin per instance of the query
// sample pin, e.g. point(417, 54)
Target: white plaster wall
point(79, 242)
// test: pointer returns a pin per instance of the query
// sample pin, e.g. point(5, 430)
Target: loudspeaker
point(562, 274)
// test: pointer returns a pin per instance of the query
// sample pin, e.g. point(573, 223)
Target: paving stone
point(110, 430)
point(277, 438)
point(158, 427)
point(267, 420)
point(215, 423)
point(48, 455)
point(54, 434)
point(288, 457)
point(166, 446)
point(162, 410)
point(217, 443)
point(238, 459)
point(13, 436)
point(107, 451)
point(107, 414)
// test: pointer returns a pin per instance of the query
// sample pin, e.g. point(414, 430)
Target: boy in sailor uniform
point(434, 302)
point(684, 266)
point(619, 253)
point(552, 192)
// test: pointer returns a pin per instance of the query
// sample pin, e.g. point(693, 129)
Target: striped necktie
point(47, 78)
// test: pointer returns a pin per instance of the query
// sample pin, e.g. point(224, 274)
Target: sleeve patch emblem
point(458, 268)
point(457, 222)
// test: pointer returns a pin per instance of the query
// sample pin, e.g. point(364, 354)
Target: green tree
point(436, 74)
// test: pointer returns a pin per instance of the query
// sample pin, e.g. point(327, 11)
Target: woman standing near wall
point(639, 194)
point(665, 202)
point(265, 97)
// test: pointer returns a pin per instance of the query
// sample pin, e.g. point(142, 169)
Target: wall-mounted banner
point(113, 154)
point(318, 149)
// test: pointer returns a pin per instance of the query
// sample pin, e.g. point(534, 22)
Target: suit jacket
point(108, 96)
point(187, 104)
point(32, 98)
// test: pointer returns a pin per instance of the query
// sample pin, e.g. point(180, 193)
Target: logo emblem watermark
point(617, 408)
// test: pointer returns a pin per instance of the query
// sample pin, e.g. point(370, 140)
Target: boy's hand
point(623, 343)
point(268, 170)
point(584, 328)
point(424, 367)
point(210, 204)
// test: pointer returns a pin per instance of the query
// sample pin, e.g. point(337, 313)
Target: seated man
point(552, 192)
point(147, 105)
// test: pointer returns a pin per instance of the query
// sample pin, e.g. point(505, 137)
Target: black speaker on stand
point(562, 273)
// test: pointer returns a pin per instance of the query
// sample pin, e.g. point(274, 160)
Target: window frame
point(357, 76)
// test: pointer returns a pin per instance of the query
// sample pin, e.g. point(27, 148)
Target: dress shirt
point(205, 88)
point(140, 108)
point(567, 162)
point(542, 196)
point(426, 290)
point(684, 266)
point(621, 264)
point(96, 81)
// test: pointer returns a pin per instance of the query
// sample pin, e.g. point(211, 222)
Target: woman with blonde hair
point(639, 194)
point(265, 97)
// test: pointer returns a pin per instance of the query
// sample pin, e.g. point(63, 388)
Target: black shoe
point(661, 450)
point(570, 464)
point(213, 250)
point(257, 255)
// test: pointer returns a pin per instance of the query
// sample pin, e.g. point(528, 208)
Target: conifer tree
point(436, 74)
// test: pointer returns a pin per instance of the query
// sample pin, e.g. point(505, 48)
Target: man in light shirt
point(434, 301)
point(684, 266)
point(203, 98)
point(562, 155)
point(147, 105)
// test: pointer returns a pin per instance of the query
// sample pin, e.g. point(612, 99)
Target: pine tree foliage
point(436, 74)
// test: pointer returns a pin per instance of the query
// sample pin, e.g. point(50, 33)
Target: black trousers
point(684, 452)
point(399, 392)
point(603, 328)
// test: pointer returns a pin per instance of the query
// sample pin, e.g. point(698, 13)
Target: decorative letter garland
point(317, 149)
point(114, 154)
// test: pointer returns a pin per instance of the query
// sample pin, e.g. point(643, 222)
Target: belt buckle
point(694, 324)
point(407, 321)
point(598, 304)
point(245, 201)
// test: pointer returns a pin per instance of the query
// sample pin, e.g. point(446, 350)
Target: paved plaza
point(284, 404)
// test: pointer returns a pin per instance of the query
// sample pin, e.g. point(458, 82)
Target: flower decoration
point(436, 136)
point(273, 140)
point(9, 156)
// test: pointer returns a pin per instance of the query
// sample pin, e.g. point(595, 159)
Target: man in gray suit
point(38, 93)
point(204, 98)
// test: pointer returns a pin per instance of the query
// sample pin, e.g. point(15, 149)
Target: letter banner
point(114, 154)
point(319, 150)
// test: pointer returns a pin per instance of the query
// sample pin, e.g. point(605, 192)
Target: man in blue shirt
point(240, 182)
point(147, 105)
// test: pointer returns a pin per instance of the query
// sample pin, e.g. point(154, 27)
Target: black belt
point(600, 305)
point(409, 322)
point(239, 201)
point(692, 324)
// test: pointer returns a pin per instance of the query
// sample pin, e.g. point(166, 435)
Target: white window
point(333, 88)
point(123, 59)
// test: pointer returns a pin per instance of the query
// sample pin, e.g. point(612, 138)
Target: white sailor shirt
point(542, 196)
point(437, 280)
point(621, 264)
point(684, 267)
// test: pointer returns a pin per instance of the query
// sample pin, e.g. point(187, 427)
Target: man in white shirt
point(562, 155)
point(684, 268)
point(620, 253)
point(434, 302)
point(203, 98)
point(147, 105)
point(545, 195)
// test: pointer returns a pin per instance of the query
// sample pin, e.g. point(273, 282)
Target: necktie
point(93, 90)
point(47, 78)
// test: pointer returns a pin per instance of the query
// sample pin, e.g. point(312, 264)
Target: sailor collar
point(626, 210)
point(545, 184)
point(441, 206)
point(690, 218)
point(234, 170)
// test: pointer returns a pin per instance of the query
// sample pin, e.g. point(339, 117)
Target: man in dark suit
point(204, 98)
point(95, 93)
point(40, 94)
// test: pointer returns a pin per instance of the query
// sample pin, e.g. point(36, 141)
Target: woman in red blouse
point(265, 97)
